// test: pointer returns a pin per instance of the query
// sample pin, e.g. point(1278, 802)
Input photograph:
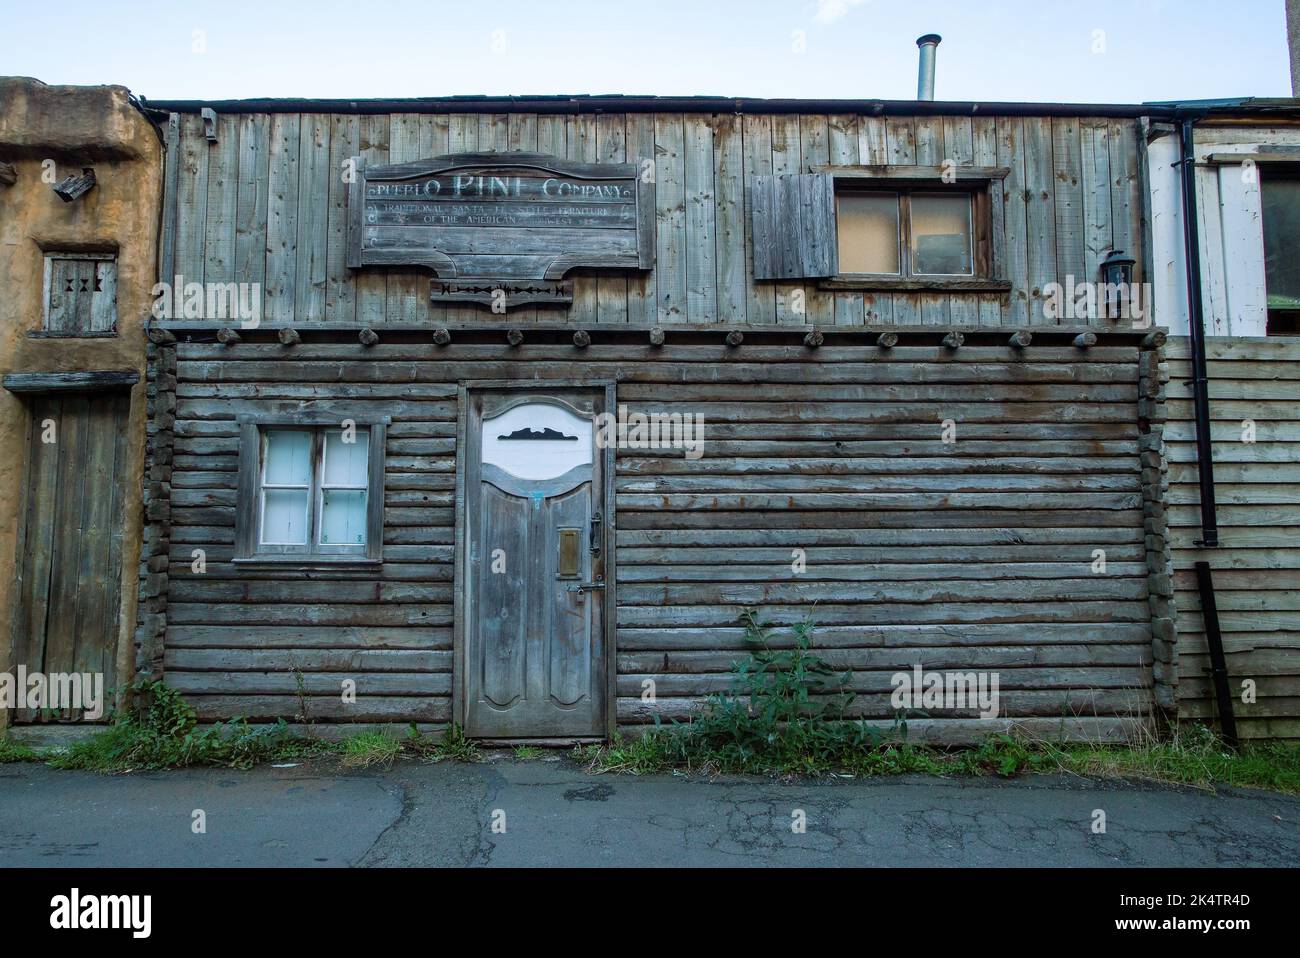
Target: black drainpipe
point(1196, 330)
point(1204, 460)
point(1214, 640)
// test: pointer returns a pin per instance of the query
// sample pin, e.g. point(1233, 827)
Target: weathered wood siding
point(69, 574)
point(266, 203)
point(1257, 567)
point(968, 555)
point(1229, 210)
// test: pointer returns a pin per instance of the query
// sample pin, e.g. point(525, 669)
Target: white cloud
point(828, 11)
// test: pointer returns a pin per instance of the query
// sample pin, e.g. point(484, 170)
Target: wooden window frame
point(50, 255)
point(265, 487)
point(1278, 320)
point(249, 549)
point(987, 242)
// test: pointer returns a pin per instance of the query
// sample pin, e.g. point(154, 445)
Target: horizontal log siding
point(1257, 567)
point(972, 555)
point(266, 203)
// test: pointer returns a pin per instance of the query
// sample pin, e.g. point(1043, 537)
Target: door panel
point(568, 667)
point(534, 565)
point(69, 557)
point(505, 528)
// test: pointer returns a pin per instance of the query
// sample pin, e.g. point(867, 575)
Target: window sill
point(307, 562)
point(937, 285)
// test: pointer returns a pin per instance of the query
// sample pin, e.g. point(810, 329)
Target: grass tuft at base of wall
point(770, 730)
point(1193, 755)
point(162, 731)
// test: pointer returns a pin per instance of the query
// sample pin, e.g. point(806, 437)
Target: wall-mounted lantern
point(1117, 280)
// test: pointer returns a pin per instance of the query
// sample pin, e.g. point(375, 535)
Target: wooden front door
point(69, 555)
point(535, 565)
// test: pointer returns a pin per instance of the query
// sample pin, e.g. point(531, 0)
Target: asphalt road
point(554, 813)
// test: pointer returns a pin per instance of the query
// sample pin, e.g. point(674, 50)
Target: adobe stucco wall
point(73, 127)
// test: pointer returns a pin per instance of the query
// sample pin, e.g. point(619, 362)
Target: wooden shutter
point(794, 226)
point(81, 296)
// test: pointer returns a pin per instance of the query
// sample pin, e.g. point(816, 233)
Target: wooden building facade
point(80, 194)
point(1247, 187)
point(264, 202)
point(921, 457)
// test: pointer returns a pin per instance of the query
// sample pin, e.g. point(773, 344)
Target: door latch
point(595, 533)
point(581, 587)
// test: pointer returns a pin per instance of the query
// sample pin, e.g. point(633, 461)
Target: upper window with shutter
point(794, 226)
point(880, 227)
point(80, 294)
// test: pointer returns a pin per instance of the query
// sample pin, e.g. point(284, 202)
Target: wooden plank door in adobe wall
point(534, 575)
point(67, 593)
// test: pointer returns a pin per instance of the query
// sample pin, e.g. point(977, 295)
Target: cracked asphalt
point(548, 812)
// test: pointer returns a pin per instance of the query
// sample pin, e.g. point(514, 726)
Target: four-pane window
point(314, 490)
point(905, 233)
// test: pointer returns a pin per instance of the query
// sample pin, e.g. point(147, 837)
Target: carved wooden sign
point(501, 227)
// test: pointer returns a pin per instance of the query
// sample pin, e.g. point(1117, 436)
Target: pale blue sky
point(1028, 50)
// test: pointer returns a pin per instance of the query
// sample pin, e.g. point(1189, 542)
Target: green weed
point(369, 748)
point(11, 751)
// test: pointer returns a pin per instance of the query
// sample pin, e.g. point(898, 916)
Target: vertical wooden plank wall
point(282, 220)
point(340, 292)
point(611, 147)
point(266, 203)
point(582, 148)
point(407, 295)
point(670, 218)
point(70, 539)
point(1256, 569)
point(521, 135)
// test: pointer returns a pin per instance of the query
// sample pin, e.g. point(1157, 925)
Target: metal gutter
point(617, 103)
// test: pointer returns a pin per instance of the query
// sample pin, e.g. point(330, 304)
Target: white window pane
point(537, 441)
point(343, 517)
point(288, 457)
point(284, 517)
point(346, 462)
point(941, 240)
point(868, 232)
